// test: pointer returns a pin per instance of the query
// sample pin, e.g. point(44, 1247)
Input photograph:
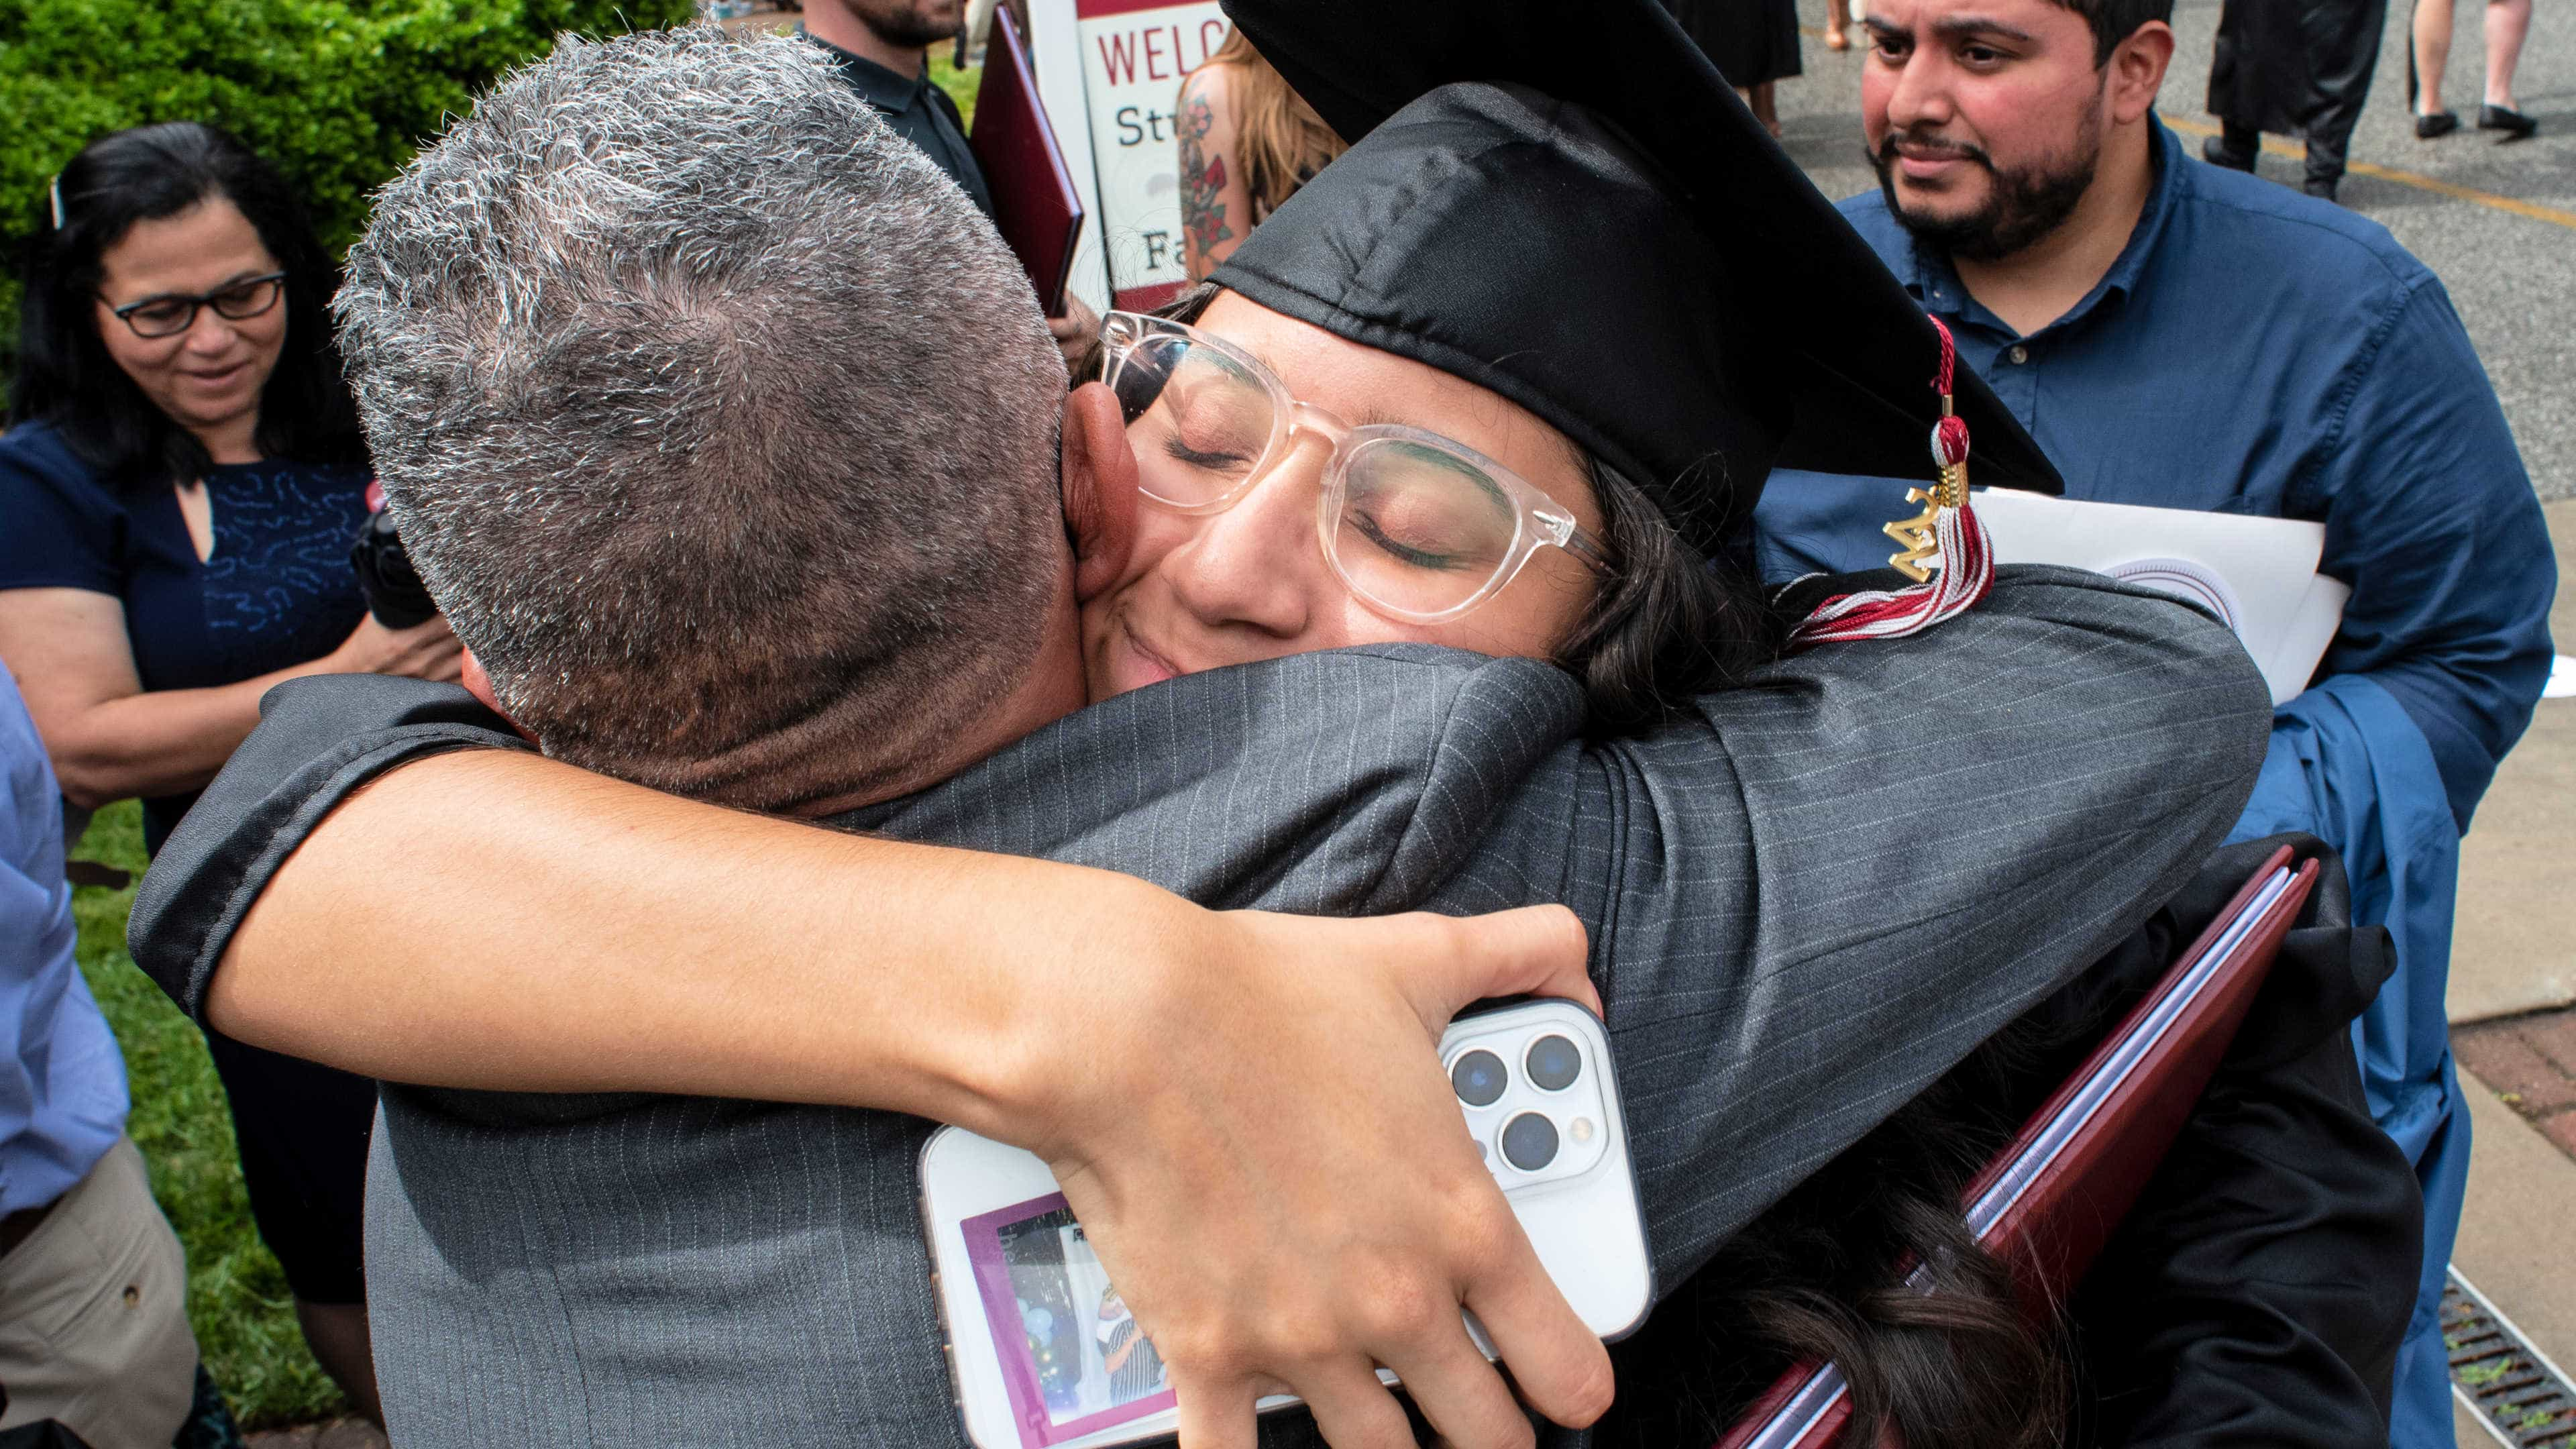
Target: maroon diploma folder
point(1034, 204)
point(2050, 1199)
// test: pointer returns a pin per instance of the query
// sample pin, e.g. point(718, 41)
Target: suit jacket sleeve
point(1810, 898)
point(318, 741)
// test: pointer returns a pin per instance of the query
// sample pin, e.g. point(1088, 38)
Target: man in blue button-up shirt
point(2182, 336)
point(93, 1322)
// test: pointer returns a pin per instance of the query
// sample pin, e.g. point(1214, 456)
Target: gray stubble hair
point(720, 424)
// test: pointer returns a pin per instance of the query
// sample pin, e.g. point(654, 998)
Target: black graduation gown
point(2257, 1292)
point(1749, 41)
point(2297, 68)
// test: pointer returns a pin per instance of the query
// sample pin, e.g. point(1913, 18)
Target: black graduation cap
point(1562, 200)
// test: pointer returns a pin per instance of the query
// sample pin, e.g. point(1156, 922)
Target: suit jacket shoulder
point(1342, 783)
point(1811, 896)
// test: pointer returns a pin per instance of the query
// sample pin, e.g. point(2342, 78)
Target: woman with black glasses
point(179, 487)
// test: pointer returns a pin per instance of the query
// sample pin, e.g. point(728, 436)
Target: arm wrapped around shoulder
point(2086, 660)
point(2067, 752)
point(2152, 673)
point(1825, 889)
point(2060, 759)
point(319, 741)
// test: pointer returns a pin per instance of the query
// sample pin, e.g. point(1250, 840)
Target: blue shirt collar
point(1934, 282)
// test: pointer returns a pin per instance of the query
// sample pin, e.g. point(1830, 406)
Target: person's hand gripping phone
point(1282, 1133)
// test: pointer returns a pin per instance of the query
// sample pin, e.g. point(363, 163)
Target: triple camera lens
point(1529, 1140)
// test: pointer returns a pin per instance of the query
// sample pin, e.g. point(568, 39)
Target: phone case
point(1067, 1367)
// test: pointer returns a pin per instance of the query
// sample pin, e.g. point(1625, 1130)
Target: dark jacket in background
point(1749, 41)
point(2297, 68)
point(920, 113)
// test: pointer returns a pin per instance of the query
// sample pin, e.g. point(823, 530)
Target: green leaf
point(338, 93)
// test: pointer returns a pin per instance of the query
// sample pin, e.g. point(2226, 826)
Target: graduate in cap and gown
point(1615, 260)
point(1709, 236)
point(2293, 68)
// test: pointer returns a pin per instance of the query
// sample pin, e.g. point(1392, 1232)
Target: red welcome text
point(1158, 53)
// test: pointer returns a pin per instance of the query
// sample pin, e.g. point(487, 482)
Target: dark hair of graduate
point(1947, 1362)
point(1667, 626)
point(64, 375)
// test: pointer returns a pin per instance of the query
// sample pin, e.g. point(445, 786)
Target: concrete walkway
point(2517, 1241)
point(2513, 949)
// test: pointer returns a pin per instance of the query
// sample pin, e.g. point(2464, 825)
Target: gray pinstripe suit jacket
point(1806, 900)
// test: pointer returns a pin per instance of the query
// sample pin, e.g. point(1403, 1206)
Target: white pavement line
point(2562, 678)
point(2434, 184)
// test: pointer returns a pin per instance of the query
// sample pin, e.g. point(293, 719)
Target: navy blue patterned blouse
point(279, 590)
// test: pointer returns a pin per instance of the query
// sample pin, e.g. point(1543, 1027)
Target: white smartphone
point(1045, 1355)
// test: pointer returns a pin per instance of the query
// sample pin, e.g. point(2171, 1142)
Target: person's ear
point(479, 684)
point(2137, 71)
point(1098, 473)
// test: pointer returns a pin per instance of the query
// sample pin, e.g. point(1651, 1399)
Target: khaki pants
point(93, 1314)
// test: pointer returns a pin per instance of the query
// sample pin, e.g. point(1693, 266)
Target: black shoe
point(2322, 187)
point(2217, 152)
point(2514, 124)
point(2440, 123)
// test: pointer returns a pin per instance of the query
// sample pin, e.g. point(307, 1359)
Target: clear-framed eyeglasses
point(170, 314)
point(1419, 527)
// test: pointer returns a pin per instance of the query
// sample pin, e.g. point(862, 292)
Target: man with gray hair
point(697, 337)
point(641, 346)
point(727, 435)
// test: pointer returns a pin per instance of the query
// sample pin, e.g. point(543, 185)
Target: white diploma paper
point(2258, 574)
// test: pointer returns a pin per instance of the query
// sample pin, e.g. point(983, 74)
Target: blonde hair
point(1279, 139)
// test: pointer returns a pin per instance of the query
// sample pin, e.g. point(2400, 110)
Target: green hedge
point(337, 92)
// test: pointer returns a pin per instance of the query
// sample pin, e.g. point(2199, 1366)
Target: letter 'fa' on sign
point(1110, 72)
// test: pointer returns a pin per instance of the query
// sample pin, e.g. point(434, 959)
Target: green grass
point(237, 1295)
point(960, 84)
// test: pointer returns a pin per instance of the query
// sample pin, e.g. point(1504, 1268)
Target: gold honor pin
point(1919, 534)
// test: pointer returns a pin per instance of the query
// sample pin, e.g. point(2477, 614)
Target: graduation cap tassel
point(1947, 537)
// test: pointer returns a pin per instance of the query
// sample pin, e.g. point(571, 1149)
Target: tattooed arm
point(1216, 210)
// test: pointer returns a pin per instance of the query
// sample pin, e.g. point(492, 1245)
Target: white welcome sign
point(1109, 75)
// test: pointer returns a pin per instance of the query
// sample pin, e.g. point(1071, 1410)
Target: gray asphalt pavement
point(2512, 276)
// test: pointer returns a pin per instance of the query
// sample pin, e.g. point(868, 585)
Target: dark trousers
point(2295, 68)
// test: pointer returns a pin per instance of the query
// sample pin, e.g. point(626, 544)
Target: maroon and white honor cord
point(1947, 536)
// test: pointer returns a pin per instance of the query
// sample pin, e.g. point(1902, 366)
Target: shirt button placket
point(2016, 384)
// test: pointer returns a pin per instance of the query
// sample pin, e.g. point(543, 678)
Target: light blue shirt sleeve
point(62, 1081)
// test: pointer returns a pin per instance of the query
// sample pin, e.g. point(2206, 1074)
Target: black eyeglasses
point(171, 314)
